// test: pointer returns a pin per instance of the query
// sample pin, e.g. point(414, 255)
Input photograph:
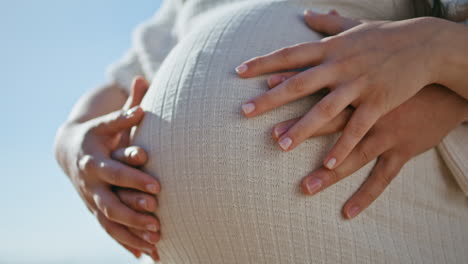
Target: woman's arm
point(99, 101)
point(452, 57)
point(83, 148)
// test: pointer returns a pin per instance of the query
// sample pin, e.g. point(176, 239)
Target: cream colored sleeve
point(151, 42)
point(454, 147)
point(454, 151)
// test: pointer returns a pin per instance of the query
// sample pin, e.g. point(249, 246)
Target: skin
point(392, 123)
point(362, 67)
point(92, 148)
point(91, 138)
point(407, 131)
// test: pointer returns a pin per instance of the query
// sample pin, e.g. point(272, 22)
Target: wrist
point(64, 145)
point(449, 56)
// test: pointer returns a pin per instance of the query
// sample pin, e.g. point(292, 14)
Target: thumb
point(118, 121)
point(139, 88)
point(330, 24)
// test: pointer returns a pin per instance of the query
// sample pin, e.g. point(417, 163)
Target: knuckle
point(343, 66)
point(327, 109)
point(390, 168)
point(256, 62)
point(296, 85)
point(123, 194)
point(333, 176)
point(364, 155)
point(115, 176)
point(357, 130)
point(385, 179)
point(285, 54)
point(368, 196)
point(87, 163)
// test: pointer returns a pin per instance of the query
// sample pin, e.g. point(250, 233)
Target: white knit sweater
point(229, 194)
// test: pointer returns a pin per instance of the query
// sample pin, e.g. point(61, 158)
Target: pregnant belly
point(230, 195)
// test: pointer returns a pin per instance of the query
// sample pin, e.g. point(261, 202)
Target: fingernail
point(131, 111)
point(133, 152)
point(308, 12)
point(285, 143)
point(279, 130)
point(248, 108)
point(314, 185)
point(241, 68)
point(148, 251)
point(353, 211)
point(331, 162)
point(151, 188)
point(147, 238)
point(152, 227)
point(142, 203)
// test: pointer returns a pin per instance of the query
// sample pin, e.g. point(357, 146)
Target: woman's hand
point(373, 66)
point(412, 128)
point(84, 152)
point(139, 201)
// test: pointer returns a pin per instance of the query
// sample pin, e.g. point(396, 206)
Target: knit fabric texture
point(229, 195)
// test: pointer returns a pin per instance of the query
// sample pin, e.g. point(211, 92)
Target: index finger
point(118, 174)
point(367, 150)
point(293, 57)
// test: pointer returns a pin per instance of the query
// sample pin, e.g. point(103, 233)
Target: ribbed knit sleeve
point(151, 42)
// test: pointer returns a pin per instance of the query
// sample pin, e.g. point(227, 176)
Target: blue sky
point(51, 52)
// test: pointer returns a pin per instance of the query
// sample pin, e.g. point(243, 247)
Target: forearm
point(451, 67)
point(96, 102)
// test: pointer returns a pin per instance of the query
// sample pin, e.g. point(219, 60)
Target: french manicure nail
point(285, 143)
point(241, 68)
point(353, 211)
point(314, 185)
point(331, 162)
point(131, 111)
point(308, 12)
point(152, 227)
point(248, 108)
point(151, 188)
